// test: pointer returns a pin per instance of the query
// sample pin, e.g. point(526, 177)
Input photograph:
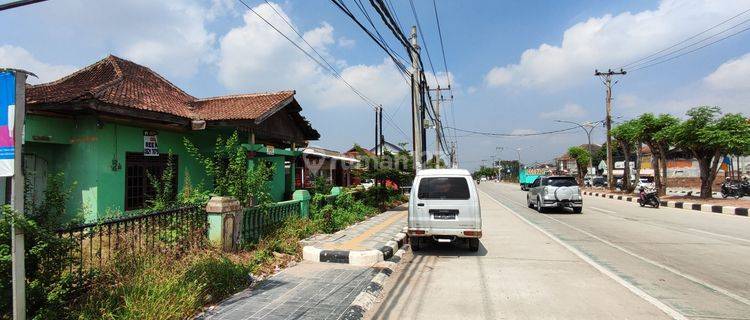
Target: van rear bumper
point(459, 233)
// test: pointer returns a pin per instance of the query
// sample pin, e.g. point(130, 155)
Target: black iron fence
point(258, 220)
point(97, 243)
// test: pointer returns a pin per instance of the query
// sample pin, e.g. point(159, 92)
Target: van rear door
point(446, 203)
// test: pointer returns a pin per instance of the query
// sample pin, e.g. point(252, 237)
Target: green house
point(107, 125)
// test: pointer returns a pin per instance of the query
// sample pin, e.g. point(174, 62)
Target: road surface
point(614, 261)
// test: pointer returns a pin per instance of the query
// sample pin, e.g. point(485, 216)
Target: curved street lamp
point(587, 127)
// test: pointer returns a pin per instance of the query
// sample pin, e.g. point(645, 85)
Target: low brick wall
point(691, 182)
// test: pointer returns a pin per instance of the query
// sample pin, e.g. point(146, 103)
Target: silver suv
point(555, 192)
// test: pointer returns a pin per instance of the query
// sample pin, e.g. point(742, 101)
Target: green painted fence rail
point(256, 221)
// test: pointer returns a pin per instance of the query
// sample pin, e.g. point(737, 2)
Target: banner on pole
point(7, 116)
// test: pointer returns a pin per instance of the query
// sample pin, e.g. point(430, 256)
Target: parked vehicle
point(648, 197)
point(598, 181)
point(555, 192)
point(734, 188)
point(444, 207)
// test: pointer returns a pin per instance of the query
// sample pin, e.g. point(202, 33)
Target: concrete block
point(310, 253)
point(365, 258)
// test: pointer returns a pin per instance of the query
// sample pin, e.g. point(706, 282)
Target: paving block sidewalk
point(313, 290)
point(365, 243)
point(306, 291)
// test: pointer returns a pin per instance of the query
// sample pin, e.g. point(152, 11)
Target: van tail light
point(416, 232)
point(472, 233)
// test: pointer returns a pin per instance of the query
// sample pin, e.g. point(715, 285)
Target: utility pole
point(377, 130)
point(438, 122)
point(417, 117)
point(607, 80)
point(16, 105)
point(454, 159)
point(381, 137)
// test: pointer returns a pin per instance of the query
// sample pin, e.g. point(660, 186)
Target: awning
point(312, 152)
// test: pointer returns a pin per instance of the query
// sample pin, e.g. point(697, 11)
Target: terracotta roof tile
point(126, 84)
point(240, 107)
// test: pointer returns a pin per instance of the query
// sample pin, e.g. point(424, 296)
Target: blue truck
point(527, 176)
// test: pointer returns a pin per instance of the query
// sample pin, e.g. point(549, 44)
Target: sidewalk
point(314, 290)
point(363, 244)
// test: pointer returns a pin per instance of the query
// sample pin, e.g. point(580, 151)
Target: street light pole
point(587, 127)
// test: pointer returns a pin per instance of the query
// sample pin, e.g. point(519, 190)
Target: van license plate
point(444, 214)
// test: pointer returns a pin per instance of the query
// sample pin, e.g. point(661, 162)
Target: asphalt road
point(614, 261)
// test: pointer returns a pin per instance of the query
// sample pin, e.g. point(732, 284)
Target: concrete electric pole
point(607, 80)
point(416, 103)
point(438, 122)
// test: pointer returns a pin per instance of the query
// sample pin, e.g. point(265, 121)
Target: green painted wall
point(85, 151)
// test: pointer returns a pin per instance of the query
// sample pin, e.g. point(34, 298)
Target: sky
point(514, 66)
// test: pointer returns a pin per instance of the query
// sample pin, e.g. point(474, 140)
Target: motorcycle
point(735, 189)
point(648, 198)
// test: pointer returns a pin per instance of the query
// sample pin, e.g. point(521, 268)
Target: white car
point(444, 207)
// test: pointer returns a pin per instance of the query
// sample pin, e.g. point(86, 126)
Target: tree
point(626, 134)
point(484, 172)
point(651, 132)
point(582, 157)
point(709, 136)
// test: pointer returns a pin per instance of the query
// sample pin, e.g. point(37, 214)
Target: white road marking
point(664, 267)
point(659, 265)
point(603, 210)
point(674, 314)
point(720, 235)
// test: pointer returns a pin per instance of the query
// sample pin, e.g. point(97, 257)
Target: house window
point(138, 188)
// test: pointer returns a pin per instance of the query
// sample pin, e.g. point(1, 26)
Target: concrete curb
point(356, 257)
point(677, 204)
point(691, 191)
point(367, 298)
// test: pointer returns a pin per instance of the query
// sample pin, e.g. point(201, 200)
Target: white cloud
point(345, 42)
point(253, 57)
point(732, 75)
point(20, 58)
point(727, 87)
point(568, 111)
point(170, 36)
point(610, 41)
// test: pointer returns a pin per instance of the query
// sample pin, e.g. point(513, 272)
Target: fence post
point(304, 205)
point(224, 221)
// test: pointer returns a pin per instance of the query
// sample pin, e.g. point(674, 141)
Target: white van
point(444, 206)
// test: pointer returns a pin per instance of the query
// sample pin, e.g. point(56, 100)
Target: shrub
point(49, 288)
point(156, 286)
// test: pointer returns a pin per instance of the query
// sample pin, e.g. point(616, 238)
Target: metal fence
point(256, 221)
point(97, 243)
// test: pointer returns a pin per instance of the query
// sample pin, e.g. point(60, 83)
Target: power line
point(424, 42)
point(686, 40)
point(691, 51)
point(348, 12)
point(367, 16)
point(329, 67)
point(19, 3)
point(445, 65)
point(498, 134)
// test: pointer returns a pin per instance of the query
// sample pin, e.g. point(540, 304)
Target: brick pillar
point(224, 222)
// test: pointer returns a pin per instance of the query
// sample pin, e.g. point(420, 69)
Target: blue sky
point(516, 66)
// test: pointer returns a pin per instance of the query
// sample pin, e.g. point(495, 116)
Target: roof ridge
point(79, 71)
point(116, 60)
point(243, 95)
